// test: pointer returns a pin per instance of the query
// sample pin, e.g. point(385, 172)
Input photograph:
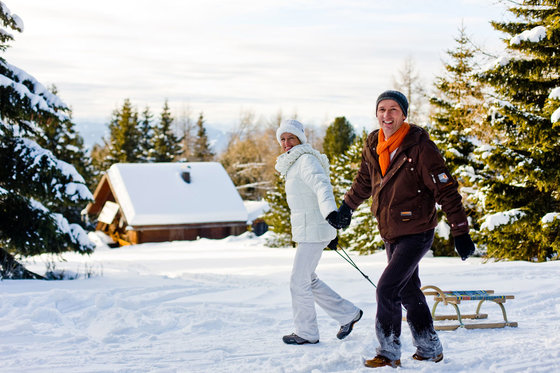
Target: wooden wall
point(185, 232)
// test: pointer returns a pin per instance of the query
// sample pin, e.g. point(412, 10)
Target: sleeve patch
point(443, 178)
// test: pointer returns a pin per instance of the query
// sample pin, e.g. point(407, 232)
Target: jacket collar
point(287, 159)
point(412, 138)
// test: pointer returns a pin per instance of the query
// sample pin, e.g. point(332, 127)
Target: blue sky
point(318, 59)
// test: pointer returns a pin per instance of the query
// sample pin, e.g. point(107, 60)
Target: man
point(404, 173)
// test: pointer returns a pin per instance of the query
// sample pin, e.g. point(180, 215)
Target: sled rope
point(351, 262)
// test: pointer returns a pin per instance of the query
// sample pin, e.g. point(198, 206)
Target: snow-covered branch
point(39, 96)
point(76, 189)
point(76, 233)
point(534, 35)
point(490, 222)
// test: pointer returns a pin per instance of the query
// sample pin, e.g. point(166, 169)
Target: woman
point(310, 198)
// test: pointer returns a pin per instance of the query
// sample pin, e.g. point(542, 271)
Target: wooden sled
point(454, 298)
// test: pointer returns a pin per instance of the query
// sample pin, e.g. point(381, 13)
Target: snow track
point(223, 306)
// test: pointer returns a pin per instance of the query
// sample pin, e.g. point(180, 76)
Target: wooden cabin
point(154, 202)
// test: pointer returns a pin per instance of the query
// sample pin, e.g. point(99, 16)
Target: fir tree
point(63, 141)
point(123, 144)
point(33, 182)
point(202, 151)
point(338, 138)
point(166, 144)
point(521, 173)
point(278, 217)
point(455, 118)
point(146, 131)
point(362, 235)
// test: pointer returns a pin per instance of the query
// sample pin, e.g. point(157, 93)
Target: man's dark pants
point(400, 285)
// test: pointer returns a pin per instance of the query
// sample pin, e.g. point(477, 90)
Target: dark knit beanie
point(395, 96)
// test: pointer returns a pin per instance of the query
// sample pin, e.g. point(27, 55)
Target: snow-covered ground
point(223, 306)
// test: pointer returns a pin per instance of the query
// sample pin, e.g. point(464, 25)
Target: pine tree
point(63, 141)
point(99, 155)
point(32, 180)
point(146, 131)
point(521, 173)
point(123, 143)
point(202, 151)
point(455, 118)
point(166, 144)
point(278, 217)
point(338, 138)
point(362, 235)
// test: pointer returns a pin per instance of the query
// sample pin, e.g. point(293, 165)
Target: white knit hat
point(291, 126)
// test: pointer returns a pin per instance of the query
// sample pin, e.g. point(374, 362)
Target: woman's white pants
point(307, 289)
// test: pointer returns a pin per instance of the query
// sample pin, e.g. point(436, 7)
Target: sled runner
point(454, 298)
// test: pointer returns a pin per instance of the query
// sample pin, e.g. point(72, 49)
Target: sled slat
point(476, 326)
point(454, 317)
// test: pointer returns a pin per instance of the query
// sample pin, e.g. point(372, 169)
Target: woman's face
point(288, 141)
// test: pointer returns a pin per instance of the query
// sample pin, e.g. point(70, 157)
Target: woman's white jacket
point(308, 192)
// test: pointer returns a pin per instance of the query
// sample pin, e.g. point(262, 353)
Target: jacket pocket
point(298, 222)
point(405, 213)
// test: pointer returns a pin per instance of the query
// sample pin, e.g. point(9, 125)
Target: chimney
point(186, 176)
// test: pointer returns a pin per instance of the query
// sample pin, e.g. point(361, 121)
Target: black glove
point(464, 245)
point(332, 218)
point(333, 244)
point(344, 215)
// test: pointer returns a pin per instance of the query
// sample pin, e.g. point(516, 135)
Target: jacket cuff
point(350, 204)
point(459, 228)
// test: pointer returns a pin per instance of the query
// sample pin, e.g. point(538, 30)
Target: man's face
point(390, 117)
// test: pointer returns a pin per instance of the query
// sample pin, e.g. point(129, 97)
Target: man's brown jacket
point(404, 200)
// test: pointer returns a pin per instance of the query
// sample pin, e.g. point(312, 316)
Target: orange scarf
point(386, 147)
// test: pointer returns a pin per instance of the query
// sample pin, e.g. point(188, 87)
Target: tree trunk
point(11, 269)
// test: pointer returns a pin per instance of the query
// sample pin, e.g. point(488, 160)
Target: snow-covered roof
point(157, 194)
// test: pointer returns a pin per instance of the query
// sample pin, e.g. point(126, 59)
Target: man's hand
point(464, 245)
